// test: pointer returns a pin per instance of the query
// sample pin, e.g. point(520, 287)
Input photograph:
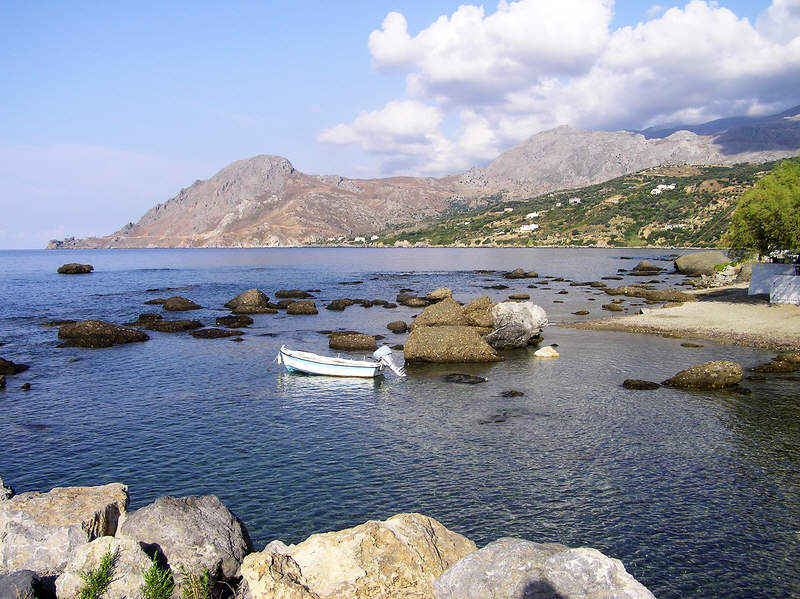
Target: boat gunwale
point(329, 360)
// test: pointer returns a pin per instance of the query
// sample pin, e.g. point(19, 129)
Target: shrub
point(158, 583)
point(97, 580)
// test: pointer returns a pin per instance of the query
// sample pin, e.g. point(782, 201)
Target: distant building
point(528, 228)
point(558, 204)
point(574, 200)
point(373, 238)
point(532, 215)
point(660, 188)
point(670, 227)
point(508, 210)
point(359, 239)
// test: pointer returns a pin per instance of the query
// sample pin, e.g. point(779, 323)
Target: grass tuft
point(158, 583)
point(97, 580)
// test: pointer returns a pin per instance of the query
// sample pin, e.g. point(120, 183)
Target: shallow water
point(697, 493)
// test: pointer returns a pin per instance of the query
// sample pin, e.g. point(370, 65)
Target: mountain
point(719, 125)
point(264, 201)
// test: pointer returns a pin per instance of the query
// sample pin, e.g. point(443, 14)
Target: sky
point(109, 108)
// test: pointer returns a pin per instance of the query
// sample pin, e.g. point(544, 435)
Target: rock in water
point(214, 333)
point(516, 324)
point(519, 569)
point(709, 375)
point(292, 294)
point(180, 304)
point(397, 326)
point(252, 301)
point(398, 559)
point(9, 367)
point(96, 334)
point(466, 379)
point(75, 269)
point(638, 384)
point(439, 294)
point(130, 564)
point(302, 307)
point(448, 344)
point(234, 321)
point(647, 267)
point(445, 312)
point(546, 352)
point(700, 263)
point(41, 531)
point(173, 326)
point(350, 341)
point(193, 533)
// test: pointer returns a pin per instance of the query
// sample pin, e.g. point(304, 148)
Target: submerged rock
point(612, 307)
point(645, 266)
point(236, 321)
point(74, 268)
point(339, 304)
point(177, 303)
point(709, 375)
point(639, 384)
point(9, 367)
point(518, 569)
point(174, 326)
point(97, 333)
point(41, 531)
point(214, 333)
point(193, 533)
point(785, 362)
point(292, 294)
point(144, 319)
point(519, 273)
point(411, 301)
point(465, 379)
point(399, 559)
point(397, 326)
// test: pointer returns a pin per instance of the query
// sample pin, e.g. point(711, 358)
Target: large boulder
point(130, 565)
point(22, 584)
point(41, 531)
point(352, 341)
point(519, 569)
point(398, 558)
point(700, 263)
point(252, 301)
point(193, 533)
point(448, 344)
point(478, 313)
point(97, 333)
point(177, 303)
point(439, 294)
point(709, 375)
point(74, 268)
point(516, 324)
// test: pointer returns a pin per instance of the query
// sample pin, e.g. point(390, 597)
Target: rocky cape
point(264, 201)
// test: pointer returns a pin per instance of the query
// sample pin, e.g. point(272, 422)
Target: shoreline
point(724, 315)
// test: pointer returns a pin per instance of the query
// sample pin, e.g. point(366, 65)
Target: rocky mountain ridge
point(265, 201)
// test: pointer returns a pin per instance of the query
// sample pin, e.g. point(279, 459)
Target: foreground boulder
point(352, 341)
point(130, 564)
point(445, 312)
point(398, 558)
point(74, 268)
point(177, 303)
point(709, 375)
point(97, 333)
point(252, 301)
point(516, 324)
point(41, 531)
point(519, 569)
point(448, 344)
point(193, 533)
point(700, 263)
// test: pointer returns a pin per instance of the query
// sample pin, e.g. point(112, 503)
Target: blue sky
point(109, 108)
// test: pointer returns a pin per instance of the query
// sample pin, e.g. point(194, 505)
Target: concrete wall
point(785, 289)
point(764, 272)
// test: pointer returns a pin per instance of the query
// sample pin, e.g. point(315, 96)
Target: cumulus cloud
point(535, 64)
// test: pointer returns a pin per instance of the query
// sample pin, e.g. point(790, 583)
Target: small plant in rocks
point(158, 583)
point(97, 580)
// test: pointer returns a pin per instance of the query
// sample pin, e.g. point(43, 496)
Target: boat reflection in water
point(299, 385)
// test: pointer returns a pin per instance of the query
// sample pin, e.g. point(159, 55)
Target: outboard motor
point(384, 355)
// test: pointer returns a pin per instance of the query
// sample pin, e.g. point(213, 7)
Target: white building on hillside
point(574, 200)
point(532, 215)
point(528, 228)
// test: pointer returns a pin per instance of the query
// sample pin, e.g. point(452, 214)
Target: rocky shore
point(50, 541)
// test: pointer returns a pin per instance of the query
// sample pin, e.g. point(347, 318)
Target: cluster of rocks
point(446, 331)
point(47, 540)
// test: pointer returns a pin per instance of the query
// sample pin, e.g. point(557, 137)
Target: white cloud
point(535, 64)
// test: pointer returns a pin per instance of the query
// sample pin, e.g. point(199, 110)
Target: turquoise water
point(697, 493)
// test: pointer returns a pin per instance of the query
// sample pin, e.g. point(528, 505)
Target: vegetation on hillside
point(767, 217)
point(692, 206)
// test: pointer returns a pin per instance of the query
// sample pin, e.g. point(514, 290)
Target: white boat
point(309, 363)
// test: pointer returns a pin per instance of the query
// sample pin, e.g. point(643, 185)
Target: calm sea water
point(697, 493)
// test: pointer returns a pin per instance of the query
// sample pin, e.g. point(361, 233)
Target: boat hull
point(356, 368)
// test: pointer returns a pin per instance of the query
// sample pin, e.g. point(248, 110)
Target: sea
point(698, 493)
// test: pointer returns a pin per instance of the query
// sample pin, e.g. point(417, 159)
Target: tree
point(767, 217)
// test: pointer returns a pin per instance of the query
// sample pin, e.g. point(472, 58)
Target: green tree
point(767, 217)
